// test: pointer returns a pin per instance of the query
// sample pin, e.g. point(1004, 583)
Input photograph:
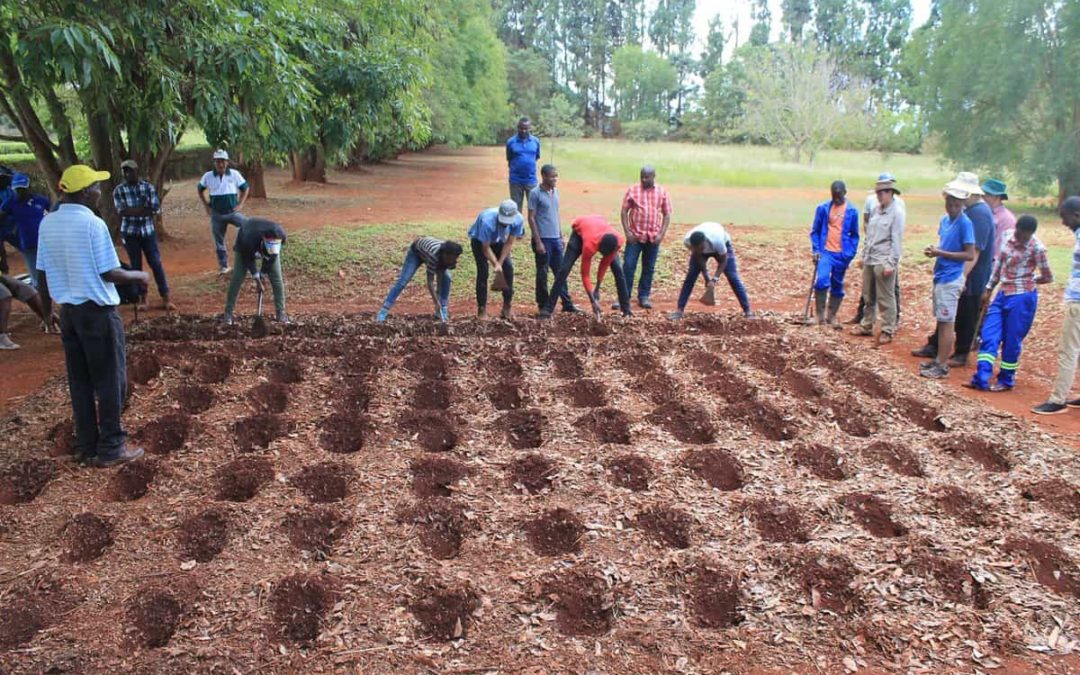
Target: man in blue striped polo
point(227, 193)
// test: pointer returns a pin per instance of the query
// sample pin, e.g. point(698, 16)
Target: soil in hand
point(630, 471)
point(325, 482)
point(533, 473)
point(716, 467)
point(445, 612)
point(605, 425)
point(436, 476)
point(299, 604)
point(241, 479)
point(154, 615)
point(556, 532)
point(22, 481)
point(204, 535)
point(85, 537)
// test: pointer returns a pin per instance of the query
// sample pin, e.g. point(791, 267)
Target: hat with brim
point(966, 182)
point(953, 191)
point(508, 212)
point(887, 185)
point(78, 177)
point(128, 164)
point(995, 188)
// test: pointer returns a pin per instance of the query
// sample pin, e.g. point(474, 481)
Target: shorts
point(10, 287)
point(946, 298)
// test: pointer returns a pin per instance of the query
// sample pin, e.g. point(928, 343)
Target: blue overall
point(1007, 322)
point(833, 265)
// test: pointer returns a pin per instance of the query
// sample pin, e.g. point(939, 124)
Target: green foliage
point(560, 119)
point(530, 81)
point(644, 82)
point(714, 47)
point(796, 15)
point(645, 130)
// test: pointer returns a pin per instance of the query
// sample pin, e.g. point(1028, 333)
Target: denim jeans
point(482, 266)
point(573, 252)
point(648, 252)
point(731, 271)
point(93, 339)
point(551, 258)
point(219, 223)
point(136, 246)
point(408, 271)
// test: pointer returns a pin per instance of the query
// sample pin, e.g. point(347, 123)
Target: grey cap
point(508, 212)
point(128, 163)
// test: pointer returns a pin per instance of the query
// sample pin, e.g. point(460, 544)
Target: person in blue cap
point(834, 240)
point(24, 210)
point(869, 206)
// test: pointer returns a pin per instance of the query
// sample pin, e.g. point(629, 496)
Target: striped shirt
point(428, 250)
point(1016, 264)
point(141, 194)
point(74, 250)
point(647, 209)
point(224, 189)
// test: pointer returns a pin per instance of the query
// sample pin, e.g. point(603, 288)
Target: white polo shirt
point(224, 189)
point(716, 238)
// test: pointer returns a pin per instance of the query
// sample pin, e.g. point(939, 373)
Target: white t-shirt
point(716, 237)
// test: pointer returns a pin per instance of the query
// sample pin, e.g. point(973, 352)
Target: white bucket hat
point(963, 186)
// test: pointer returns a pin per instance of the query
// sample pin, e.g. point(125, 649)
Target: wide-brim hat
point(995, 188)
point(221, 154)
point(887, 184)
point(965, 182)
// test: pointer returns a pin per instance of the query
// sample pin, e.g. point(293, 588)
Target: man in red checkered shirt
point(646, 214)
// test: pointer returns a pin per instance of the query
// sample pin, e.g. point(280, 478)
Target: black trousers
point(967, 315)
point(482, 266)
point(573, 252)
point(93, 339)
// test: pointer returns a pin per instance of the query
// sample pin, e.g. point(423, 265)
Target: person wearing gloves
point(834, 240)
point(491, 237)
point(439, 257)
point(258, 238)
point(711, 240)
point(591, 235)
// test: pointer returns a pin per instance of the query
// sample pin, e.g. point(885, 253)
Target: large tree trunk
point(22, 113)
point(253, 172)
point(309, 165)
point(106, 157)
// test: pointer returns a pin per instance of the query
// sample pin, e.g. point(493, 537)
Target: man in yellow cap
point(78, 268)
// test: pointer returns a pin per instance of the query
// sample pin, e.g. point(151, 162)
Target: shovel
point(258, 326)
point(499, 283)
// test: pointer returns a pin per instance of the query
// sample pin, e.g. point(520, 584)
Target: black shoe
point(1074, 403)
point(1049, 408)
point(644, 303)
point(616, 305)
point(935, 372)
point(926, 351)
point(122, 457)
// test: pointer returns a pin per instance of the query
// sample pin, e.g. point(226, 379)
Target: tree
point(560, 119)
point(838, 29)
point(759, 12)
point(887, 29)
point(643, 83)
point(530, 81)
point(796, 14)
point(714, 48)
point(999, 87)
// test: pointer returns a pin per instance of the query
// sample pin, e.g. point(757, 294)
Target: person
point(262, 239)
point(834, 240)
point(228, 191)
point(11, 288)
point(78, 268)
point(881, 259)
point(522, 155)
point(969, 307)
point(996, 193)
point(592, 235)
point(645, 215)
point(710, 240)
point(137, 202)
point(439, 257)
point(1069, 347)
point(547, 242)
point(869, 206)
point(1020, 267)
point(956, 254)
point(491, 238)
point(24, 211)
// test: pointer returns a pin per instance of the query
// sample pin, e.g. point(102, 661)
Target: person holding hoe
point(834, 240)
point(258, 238)
point(439, 257)
point(491, 237)
point(591, 235)
point(710, 240)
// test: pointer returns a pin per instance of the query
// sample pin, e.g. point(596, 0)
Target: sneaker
point(926, 365)
point(572, 309)
point(224, 270)
point(926, 351)
point(935, 372)
point(884, 339)
point(543, 315)
point(859, 331)
point(227, 319)
point(6, 343)
point(282, 317)
point(958, 361)
point(676, 315)
point(1074, 403)
point(644, 303)
point(122, 457)
point(616, 305)
point(1049, 408)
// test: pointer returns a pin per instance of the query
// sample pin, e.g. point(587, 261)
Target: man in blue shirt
point(547, 242)
point(7, 230)
point(955, 255)
point(24, 211)
point(522, 154)
point(492, 237)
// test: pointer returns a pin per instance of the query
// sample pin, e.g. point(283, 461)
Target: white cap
point(220, 153)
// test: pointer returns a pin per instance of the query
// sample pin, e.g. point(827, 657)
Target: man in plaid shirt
point(1021, 264)
point(646, 214)
point(137, 202)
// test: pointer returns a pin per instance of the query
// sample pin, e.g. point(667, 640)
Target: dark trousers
point(573, 252)
point(967, 315)
point(136, 247)
point(550, 259)
point(731, 271)
point(482, 266)
point(648, 252)
point(862, 301)
point(93, 339)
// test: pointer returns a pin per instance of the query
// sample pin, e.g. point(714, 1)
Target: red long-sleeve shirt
point(592, 229)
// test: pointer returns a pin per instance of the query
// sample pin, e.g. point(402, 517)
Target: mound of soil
point(873, 514)
point(657, 386)
point(556, 532)
point(316, 529)
point(213, 368)
point(143, 367)
point(687, 422)
point(1053, 567)
point(766, 356)
point(269, 398)
point(429, 364)
point(762, 417)
point(241, 479)
point(800, 385)
point(436, 476)
point(154, 615)
point(298, 605)
point(444, 613)
point(193, 398)
point(524, 428)
point(285, 372)
point(868, 382)
point(953, 578)
point(506, 368)
point(132, 480)
point(432, 430)
point(827, 581)
point(585, 393)
point(567, 364)
point(605, 425)
point(978, 450)
point(343, 433)
point(852, 419)
point(900, 459)
point(779, 522)
point(631, 471)
point(820, 460)
point(713, 597)
point(61, 438)
point(667, 526)
point(583, 602)
point(442, 525)
point(506, 395)
point(1056, 495)
point(20, 621)
point(432, 395)
point(22, 481)
point(919, 414)
point(533, 472)
point(966, 507)
point(325, 482)
point(166, 434)
point(204, 535)
point(85, 537)
point(258, 431)
point(716, 467)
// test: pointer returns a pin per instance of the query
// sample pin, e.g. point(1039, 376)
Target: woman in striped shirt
point(439, 257)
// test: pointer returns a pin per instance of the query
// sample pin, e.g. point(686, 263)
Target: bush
point(644, 130)
point(560, 119)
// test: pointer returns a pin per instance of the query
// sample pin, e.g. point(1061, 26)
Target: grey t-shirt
point(545, 205)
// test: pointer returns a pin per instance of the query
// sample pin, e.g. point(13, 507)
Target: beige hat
point(963, 186)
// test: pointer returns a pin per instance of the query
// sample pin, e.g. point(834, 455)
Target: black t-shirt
point(250, 237)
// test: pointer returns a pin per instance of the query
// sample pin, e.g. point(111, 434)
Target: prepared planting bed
point(716, 494)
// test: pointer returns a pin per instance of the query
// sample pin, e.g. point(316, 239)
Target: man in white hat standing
point(227, 193)
point(492, 237)
point(869, 206)
point(881, 256)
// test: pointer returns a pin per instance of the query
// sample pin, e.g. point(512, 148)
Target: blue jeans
point(831, 268)
point(136, 246)
point(551, 258)
point(648, 252)
point(408, 271)
point(29, 257)
point(731, 271)
point(219, 223)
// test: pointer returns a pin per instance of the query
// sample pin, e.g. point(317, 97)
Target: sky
point(730, 9)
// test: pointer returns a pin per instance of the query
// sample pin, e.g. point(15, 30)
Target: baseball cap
point(221, 153)
point(508, 212)
point(129, 164)
point(20, 180)
point(78, 177)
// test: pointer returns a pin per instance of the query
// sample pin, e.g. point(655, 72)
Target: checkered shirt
point(647, 210)
point(1015, 267)
point(128, 196)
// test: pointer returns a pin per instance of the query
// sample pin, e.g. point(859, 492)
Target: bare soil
point(432, 430)
point(1051, 565)
point(508, 395)
point(241, 479)
point(325, 482)
point(202, 536)
point(299, 604)
point(436, 476)
point(316, 529)
point(873, 514)
point(631, 471)
point(967, 508)
point(1056, 495)
point(257, 432)
point(687, 422)
point(556, 532)
point(981, 451)
point(605, 425)
point(713, 595)
point(133, 480)
point(432, 394)
point(343, 433)
point(667, 526)
point(779, 522)
point(166, 434)
point(828, 583)
point(269, 398)
point(524, 428)
point(533, 473)
point(85, 537)
point(193, 398)
point(585, 393)
point(763, 418)
point(716, 467)
point(22, 481)
point(897, 457)
point(584, 602)
point(154, 616)
point(445, 613)
point(141, 368)
point(820, 460)
point(442, 526)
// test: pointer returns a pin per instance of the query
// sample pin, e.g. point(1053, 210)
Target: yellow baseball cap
point(78, 177)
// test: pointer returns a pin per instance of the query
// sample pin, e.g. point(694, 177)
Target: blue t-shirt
point(982, 222)
point(27, 218)
point(487, 229)
point(7, 228)
point(953, 236)
point(522, 155)
point(1072, 288)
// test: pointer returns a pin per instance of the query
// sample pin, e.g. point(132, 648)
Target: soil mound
point(873, 514)
point(667, 526)
point(258, 431)
point(631, 471)
point(445, 613)
point(132, 480)
point(442, 525)
point(533, 472)
point(299, 604)
point(344, 433)
point(154, 615)
point(316, 529)
point(523, 428)
point(269, 398)
point(432, 395)
point(687, 422)
point(193, 398)
point(977, 450)
point(436, 476)
point(713, 596)
point(166, 434)
point(85, 537)
point(716, 467)
point(821, 461)
point(556, 532)
point(585, 393)
point(962, 505)
point(762, 417)
point(141, 368)
point(827, 581)
point(213, 368)
point(506, 395)
point(779, 522)
point(432, 430)
point(325, 482)
point(584, 603)
point(23, 481)
point(897, 457)
point(605, 425)
point(1056, 495)
point(241, 479)
point(204, 535)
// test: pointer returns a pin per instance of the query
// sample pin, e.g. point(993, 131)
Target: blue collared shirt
point(74, 250)
point(487, 229)
point(522, 156)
